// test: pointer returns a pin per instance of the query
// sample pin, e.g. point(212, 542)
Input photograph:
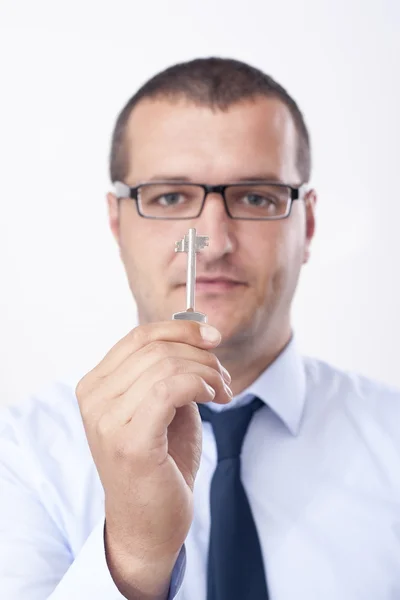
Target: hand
point(144, 431)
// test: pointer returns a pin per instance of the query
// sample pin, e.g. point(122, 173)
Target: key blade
point(191, 243)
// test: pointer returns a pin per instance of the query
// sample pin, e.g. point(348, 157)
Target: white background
point(66, 69)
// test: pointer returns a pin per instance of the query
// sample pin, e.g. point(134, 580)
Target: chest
point(327, 510)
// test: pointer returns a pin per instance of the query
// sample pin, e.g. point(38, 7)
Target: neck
point(246, 361)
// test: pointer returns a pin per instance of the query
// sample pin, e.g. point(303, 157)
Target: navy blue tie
point(235, 564)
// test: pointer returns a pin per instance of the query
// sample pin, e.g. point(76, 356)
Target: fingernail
point(229, 391)
point(211, 390)
point(226, 375)
point(210, 334)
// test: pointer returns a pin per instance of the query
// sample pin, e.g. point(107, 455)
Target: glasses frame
point(122, 190)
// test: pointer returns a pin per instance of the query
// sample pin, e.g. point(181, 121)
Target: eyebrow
point(179, 178)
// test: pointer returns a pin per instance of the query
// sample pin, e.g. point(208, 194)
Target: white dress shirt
point(320, 463)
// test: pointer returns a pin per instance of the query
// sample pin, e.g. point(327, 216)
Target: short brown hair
point(214, 82)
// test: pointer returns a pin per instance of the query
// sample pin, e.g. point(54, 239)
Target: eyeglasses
point(253, 201)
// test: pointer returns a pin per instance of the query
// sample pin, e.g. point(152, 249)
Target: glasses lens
point(258, 201)
point(170, 200)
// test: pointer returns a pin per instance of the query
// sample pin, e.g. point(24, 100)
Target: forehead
point(178, 138)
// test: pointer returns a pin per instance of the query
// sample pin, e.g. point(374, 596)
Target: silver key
point(191, 244)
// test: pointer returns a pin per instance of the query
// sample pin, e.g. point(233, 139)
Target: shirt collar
point(282, 386)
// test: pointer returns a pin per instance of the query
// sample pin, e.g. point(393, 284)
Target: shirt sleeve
point(36, 562)
point(89, 577)
point(175, 591)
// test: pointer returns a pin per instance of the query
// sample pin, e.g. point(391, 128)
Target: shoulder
point(359, 396)
point(45, 418)
point(45, 459)
point(322, 374)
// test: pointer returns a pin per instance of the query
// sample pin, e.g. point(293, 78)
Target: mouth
point(216, 285)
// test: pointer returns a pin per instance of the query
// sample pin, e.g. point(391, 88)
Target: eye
point(170, 199)
point(258, 200)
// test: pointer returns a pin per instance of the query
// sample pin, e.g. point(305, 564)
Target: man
point(110, 493)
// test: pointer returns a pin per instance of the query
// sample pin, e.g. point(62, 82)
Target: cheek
point(145, 266)
point(138, 252)
point(276, 255)
point(289, 260)
point(266, 247)
point(147, 251)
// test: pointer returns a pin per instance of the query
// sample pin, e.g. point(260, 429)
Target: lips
point(216, 285)
point(216, 279)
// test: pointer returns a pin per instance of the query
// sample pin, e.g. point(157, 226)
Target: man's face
point(248, 274)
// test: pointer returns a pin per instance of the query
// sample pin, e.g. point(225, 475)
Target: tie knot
point(230, 427)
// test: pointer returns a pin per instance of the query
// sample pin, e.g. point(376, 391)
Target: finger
point(125, 375)
point(123, 409)
point(156, 413)
point(189, 332)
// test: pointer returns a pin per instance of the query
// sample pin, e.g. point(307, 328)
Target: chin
point(231, 328)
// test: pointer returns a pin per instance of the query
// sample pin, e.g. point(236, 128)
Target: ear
point(310, 202)
point(113, 215)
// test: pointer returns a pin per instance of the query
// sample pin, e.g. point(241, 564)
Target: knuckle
point(195, 381)
point(215, 378)
point(103, 427)
point(190, 382)
point(159, 348)
point(172, 365)
point(213, 362)
point(85, 413)
point(161, 390)
point(86, 409)
point(139, 336)
point(87, 385)
point(81, 388)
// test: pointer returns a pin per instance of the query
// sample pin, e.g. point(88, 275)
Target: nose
point(215, 223)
